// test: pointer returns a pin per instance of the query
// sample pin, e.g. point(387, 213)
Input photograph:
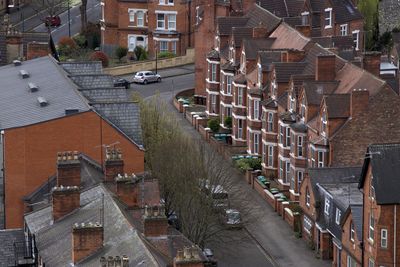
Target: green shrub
point(245, 164)
point(166, 54)
point(80, 40)
point(100, 56)
point(121, 52)
point(228, 122)
point(67, 46)
point(143, 56)
point(138, 52)
point(213, 124)
point(92, 34)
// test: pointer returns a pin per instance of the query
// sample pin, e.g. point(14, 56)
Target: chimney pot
point(155, 224)
point(359, 101)
point(187, 253)
point(86, 239)
point(125, 261)
point(64, 201)
point(372, 62)
point(325, 67)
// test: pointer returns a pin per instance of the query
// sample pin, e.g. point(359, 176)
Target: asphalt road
point(93, 14)
point(169, 86)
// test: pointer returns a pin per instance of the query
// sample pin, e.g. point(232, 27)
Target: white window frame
point(270, 122)
point(256, 143)
point(352, 231)
point(270, 156)
point(371, 262)
point(371, 227)
point(300, 140)
point(140, 18)
point(281, 169)
point(240, 96)
point(343, 29)
point(171, 21)
point(173, 47)
point(161, 46)
point(281, 134)
point(287, 139)
point(351, 262)
point(131, 48)
point(307, 20)
point(131, 16)
point(327, 205)
point(320, 158)
point(256, 109)
point(264, 153)
point(308, 197)
point(384, 238)
point(240, 129)
point(300, 177)
point(213, 103)
point(324, 123)
point(328, 19)
point(229, 80)
point(287, 171)
point(160, 22)
point(356, 41)
point(337, 217)
point(213, 72)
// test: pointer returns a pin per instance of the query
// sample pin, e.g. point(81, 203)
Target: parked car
point(232, 218)
point(53, 21)
point(122, 83)
point(145, 77)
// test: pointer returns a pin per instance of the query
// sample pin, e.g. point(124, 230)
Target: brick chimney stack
point(113, 165)
point(372, 62)
point(128, 189)
point(14, 45)
point(304, 30)
point(65, 200)
point(155, 222)
point(188, 257)
point(292, 55)
point(325, 68)
point(86, 239)
point(358, 102)
point(260, 31)
point(68, 169)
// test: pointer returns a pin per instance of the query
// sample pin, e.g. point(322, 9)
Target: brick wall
point(85, 241)
point(35, 50)
point(85, 132)
point(349, 247)
point(64, 201)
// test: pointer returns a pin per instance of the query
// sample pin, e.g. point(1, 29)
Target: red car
point(53, 21)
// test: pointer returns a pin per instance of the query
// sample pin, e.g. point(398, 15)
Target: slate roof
point(287, 37)
point(84, 67)
point(213, 54)
point(240, 79)
point(125, 116)
point(93, 80)
point(384, 160)
point(259, 14)
point(252, 46)
point(338, 105)
point(315, 90)
point(19, 107)
point(225, 24)
point(228, 66)
point(299, 127)
point(114, 94)
point(344, 194)
point(267, 57)
point(345, 11)
point(293, 21)
point(240, 33)
point(284, 70)
point(120, 238)
point(340, 42)
point(283, 8)
point(357, 215)
point(378, 124)
point(7, 239)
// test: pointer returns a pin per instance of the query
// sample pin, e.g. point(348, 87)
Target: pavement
point(271, 239)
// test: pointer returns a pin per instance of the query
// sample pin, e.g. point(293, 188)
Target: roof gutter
point(394, 236)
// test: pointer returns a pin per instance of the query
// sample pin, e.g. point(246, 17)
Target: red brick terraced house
point(159, 25)
point(352, 225)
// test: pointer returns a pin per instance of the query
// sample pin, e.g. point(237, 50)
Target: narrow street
point(267, 239)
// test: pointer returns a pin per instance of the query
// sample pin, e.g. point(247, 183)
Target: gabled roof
point(252, 46)
point(384, 160)
point(7, 251)
point(20, 107)
point(344, 194)
point(338, 105)
point(315, 90)
point(283, 8)
point(345, 11)
point(268, 57)
point(340, 42)
point(380, 122)
point(284, 70)
point(258, 14)
point(120, 238)
point(225, 24)
point(356, 211)
point(287, 37)
point(240, 33)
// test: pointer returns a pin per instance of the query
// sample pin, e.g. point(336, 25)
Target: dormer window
point(303, 108)
point(292, 104)
point(328, 18)
point(229, 84)
point(270, 122)
point(308, 198)
point(305, 18)
point(243, 63)
point(352, 232)
point(327, 205)
point(372, 189)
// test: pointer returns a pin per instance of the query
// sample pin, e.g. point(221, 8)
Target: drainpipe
point(395, 233)
point(362, 233)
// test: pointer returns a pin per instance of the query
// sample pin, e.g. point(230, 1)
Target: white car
point(144, 77)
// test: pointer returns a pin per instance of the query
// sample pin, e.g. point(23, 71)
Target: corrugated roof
point(19, 107)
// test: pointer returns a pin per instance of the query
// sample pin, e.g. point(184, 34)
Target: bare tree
point(83, 11)
point(48, 7)
point(191, 175)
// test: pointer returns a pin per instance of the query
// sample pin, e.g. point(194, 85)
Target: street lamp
point(155, 49)
point(69, 20)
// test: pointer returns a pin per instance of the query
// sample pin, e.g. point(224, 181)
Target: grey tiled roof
point(114, 94)
point(19, 107)
point(385, 166)
point(357, 215)
point(344, 194)
point(3, 49)
point(120, 238)
point(124, 115)
point(93, 80)
point(85, 67)
point(7, 239)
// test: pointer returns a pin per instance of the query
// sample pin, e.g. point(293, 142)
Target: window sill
point(328, 27)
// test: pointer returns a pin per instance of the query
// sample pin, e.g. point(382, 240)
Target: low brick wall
point(270, 198)
point(260, 189)
point(151, 64)
point(178, 105)
point(292, 219)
